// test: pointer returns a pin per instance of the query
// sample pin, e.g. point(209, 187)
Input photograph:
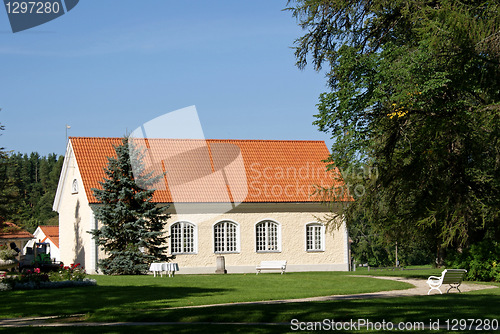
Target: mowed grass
point(124, 298)
point(483, 304)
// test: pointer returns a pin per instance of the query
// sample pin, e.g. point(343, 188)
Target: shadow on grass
point(395, 310)
point(475, 305)
point(69, 301)
point(178, 329)
point(401, 309)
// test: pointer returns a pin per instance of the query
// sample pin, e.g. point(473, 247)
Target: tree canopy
point(414, 92)
point(5, 192)
point(33, 181)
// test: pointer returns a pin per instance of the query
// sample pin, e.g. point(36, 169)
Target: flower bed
point(66, 276)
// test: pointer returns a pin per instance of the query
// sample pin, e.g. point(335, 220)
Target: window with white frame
point(315, 237)
point(268, 236)
point(183, 238)
point(226, 237)
point(74, 187)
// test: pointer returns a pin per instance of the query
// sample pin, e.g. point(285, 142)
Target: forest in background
point(29, 184)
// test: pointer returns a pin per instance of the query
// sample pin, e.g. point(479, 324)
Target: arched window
point(315, 237)
point(226, 237)
point(183, 238)
point(74, 187)
point(268, 236)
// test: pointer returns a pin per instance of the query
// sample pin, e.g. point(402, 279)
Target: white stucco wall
point(292, 219)
point(76, 245)
point(75, 218)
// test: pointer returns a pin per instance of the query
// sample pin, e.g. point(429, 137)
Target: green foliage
point(482, 261)
point(6, 253)
point(132, 225)
point(29, 186)
point(376, 245)
point(7, 195)
point(414, 93)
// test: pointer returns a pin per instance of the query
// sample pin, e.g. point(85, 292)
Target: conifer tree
point(7, 194)
point(132, 225)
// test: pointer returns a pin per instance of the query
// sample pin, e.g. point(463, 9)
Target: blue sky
point(108, 66)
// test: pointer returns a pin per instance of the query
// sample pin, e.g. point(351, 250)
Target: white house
point(249, 200)
point(48, 234)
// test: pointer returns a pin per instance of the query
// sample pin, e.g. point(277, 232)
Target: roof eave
point(62, 177)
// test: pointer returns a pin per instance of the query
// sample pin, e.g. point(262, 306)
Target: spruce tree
point(132, 225)
point(7, 193)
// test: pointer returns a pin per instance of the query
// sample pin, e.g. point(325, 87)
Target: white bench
point(272, 265)
point(452, 277)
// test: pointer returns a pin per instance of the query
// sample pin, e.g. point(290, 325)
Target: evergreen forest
point(28, 187)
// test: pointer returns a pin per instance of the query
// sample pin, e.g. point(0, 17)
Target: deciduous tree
point(414, 91)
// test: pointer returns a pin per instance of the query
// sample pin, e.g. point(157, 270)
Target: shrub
point(6, 253)
point(482, 261)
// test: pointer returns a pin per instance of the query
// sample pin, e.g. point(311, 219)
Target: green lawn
point(145, 298)
point(118, 298)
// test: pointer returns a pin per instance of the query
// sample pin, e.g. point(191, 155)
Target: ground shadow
point(400, 309)
point(93, 299)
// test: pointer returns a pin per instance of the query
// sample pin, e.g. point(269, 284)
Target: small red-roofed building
point(47, 234)
point(11, 233)
point(248, 200)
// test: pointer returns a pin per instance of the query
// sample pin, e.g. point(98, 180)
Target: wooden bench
point(272, 265)
point(452, 277)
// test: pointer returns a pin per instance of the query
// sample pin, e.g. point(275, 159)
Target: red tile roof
point(215, 171)
point(51, 232)
point(10, 230)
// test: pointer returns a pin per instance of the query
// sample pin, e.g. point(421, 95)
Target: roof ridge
point(211, 139)
point(274, 140)
point(89, 137)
